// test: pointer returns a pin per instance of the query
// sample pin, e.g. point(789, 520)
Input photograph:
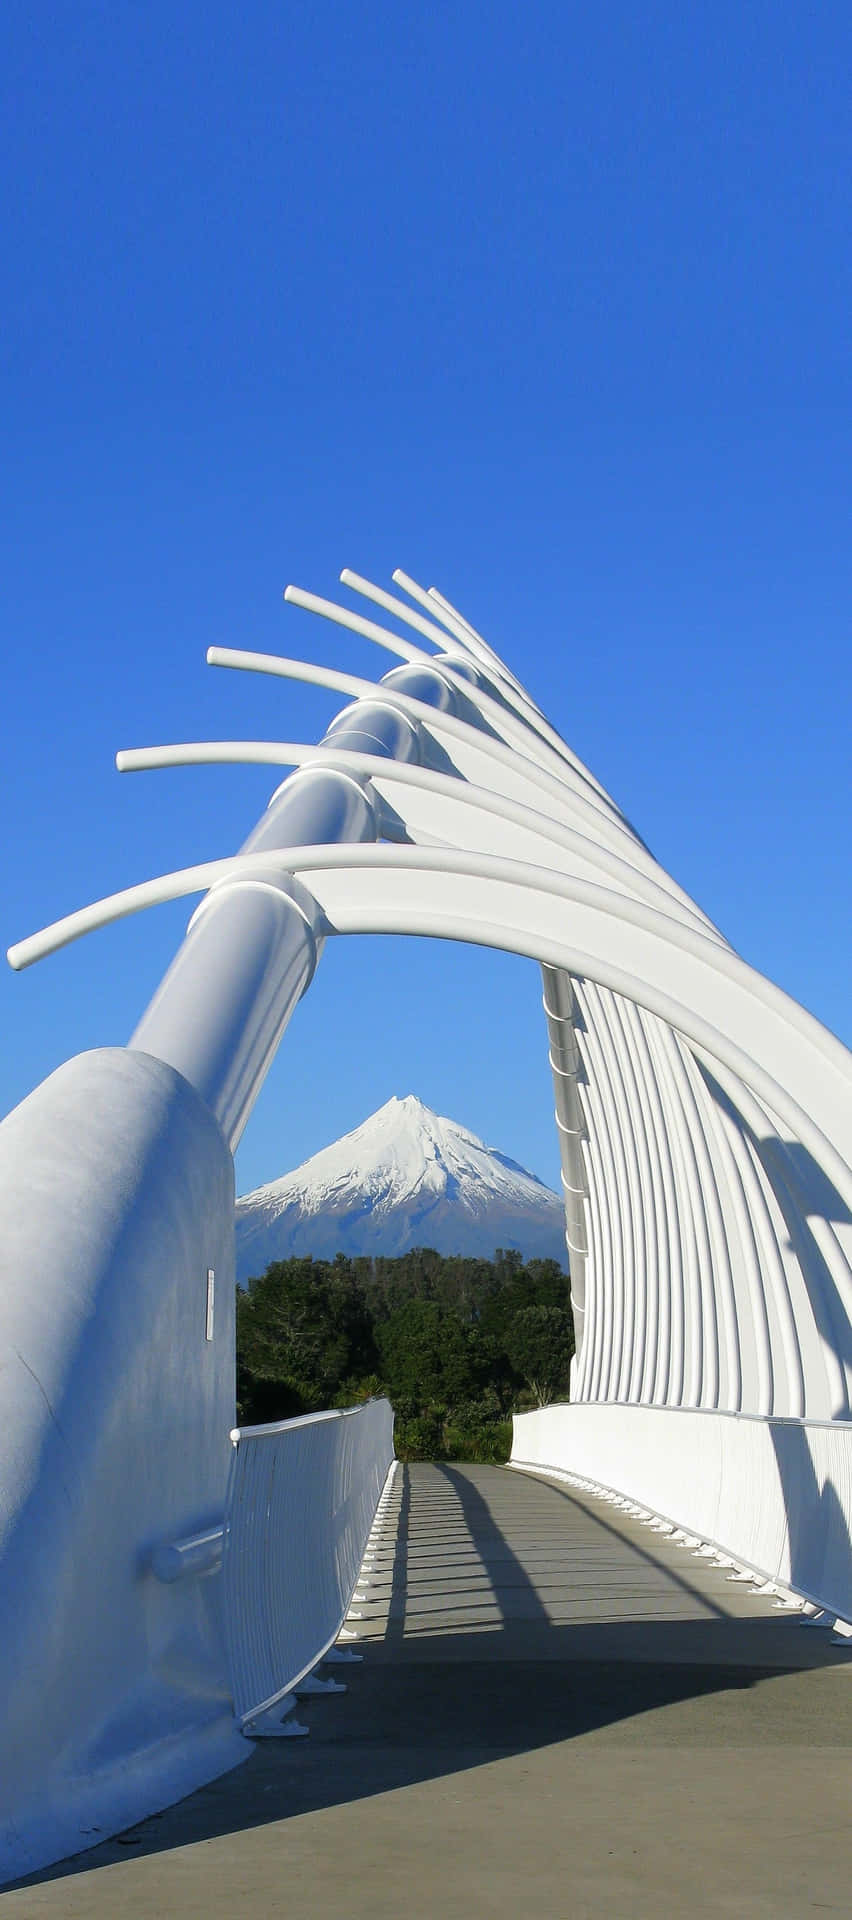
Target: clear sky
point(548, 305)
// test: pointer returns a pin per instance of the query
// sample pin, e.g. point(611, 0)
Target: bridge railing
point(775, 1494)
point(302, 1497)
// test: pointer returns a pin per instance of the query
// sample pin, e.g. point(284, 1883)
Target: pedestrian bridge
point(166, 1584)
point(560, 1710)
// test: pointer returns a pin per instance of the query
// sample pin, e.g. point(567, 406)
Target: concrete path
point(558, 1714)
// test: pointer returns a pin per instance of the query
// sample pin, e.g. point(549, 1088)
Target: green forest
point(456, 1344)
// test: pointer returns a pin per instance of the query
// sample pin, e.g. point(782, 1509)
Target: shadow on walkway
point(439, 1695)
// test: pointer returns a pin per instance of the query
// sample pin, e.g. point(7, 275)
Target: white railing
point(302, 1497)
point(775, 1494)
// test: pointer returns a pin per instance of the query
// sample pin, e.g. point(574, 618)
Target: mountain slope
point(405, 1178)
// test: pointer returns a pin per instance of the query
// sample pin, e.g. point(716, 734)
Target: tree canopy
point(457, 1344)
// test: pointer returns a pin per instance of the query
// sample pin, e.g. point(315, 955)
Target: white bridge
point(705, 1125)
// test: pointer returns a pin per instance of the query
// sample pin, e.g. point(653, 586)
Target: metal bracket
point(313, 1684)
point(273, 1725)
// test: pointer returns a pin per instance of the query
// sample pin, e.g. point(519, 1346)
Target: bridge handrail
point(302, 1497)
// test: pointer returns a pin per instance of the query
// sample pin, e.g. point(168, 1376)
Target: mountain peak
point(405, 1104)
point(405, 1177)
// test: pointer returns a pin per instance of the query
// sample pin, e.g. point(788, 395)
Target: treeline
point(457, 1345)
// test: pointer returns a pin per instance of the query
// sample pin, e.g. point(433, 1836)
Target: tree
point(540, 1347)
point(302, 1329)
point(426, 1353)
point(449, 1340)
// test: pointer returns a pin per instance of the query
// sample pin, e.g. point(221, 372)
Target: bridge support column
point(116, 1207)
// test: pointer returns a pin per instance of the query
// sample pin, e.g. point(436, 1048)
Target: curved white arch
point(519, 703)
point(504, 721)
point(669, 1191)
point(704, 1122)
point(445, 726)
point(469, 750)
point(721, 1249)
point(462, 631)
point(463, 794)
point(751, 1021)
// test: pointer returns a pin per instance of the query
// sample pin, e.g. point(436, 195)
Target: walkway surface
point(558, 1714)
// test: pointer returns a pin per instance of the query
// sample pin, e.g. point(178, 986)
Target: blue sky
point(549, 306)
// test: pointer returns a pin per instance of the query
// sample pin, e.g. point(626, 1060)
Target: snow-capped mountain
point(404, 1178)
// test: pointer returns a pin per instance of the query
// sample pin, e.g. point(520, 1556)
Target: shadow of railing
point(459, 1698)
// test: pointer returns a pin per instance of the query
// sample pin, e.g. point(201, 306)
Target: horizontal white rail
point(302, 1497)
point(181, 1559)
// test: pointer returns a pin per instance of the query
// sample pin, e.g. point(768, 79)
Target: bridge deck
point(559, 1714)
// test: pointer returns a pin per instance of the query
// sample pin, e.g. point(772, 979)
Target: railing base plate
point(275, 1725)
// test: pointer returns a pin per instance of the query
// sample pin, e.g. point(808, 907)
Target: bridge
point(182, 1581)
point(560, 1710)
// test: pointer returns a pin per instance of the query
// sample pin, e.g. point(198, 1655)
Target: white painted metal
point(252, 947)
point(302, 1498)
point(189, 1559)
point(462, 631)
point(447, 812)
point(658, 962)
point(773, 1494)
point(470, 747)
point(705, 1126)
point(521, 707)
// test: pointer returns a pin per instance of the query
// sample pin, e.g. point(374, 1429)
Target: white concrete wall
point(776, 1494)
point(116, 1196)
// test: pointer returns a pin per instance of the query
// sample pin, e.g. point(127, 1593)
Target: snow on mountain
point(405, 1178)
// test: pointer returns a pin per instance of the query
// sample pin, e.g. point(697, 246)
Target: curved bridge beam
point(645, 956)
point(705, 1130)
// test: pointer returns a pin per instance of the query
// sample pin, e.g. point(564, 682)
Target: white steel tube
point(251, 951)
point(631, 875)
point(752, 1026)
